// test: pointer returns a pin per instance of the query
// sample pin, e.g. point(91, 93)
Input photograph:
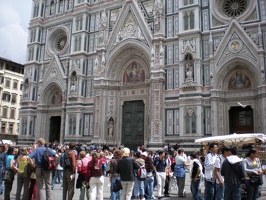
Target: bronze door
point(241, 120)
point(133, 124)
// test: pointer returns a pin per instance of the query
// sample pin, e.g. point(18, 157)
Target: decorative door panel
point(133, 124)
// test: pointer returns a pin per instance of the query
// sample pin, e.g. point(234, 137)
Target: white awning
point(7, 142)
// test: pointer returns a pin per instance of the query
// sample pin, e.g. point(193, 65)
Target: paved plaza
point(57, 193)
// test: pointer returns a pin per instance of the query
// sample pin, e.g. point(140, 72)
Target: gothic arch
point(48, 93)
point(233, 66)
point(123, 55)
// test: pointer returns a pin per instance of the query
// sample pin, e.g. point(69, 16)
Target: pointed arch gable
point(225, 52)
point(133, 8)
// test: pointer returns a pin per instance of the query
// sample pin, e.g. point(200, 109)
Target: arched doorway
point(241, 120)
point(55, 126)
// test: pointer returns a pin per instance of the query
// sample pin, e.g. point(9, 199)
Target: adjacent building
point(143, 72)
point(11, 79)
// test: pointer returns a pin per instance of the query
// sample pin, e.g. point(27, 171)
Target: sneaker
point(153, 197)
point(109, 185)
point(61, 188)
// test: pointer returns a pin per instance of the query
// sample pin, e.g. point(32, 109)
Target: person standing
point(138, 190)
point(209, 167)
point(42, 176)
point(82, 171)
point(22, 179)
point(180, 172)
point(95, 177)
point(113, 175)
point(11, 168)
point(125, 167)
point(234, 175)
point(160, 166)
point(252, 165)
point(217, 172)
point(196, 172)
point(69, 173)
point(2, 166)
point(167, 173)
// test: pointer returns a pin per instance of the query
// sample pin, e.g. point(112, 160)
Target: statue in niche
point(61, 6)
point(52, 8)
point(69, 5)
point(189, 72)
point(111, 127)
point(103, 21)
point(73, 87)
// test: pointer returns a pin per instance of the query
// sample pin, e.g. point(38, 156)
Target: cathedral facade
point(147, 72)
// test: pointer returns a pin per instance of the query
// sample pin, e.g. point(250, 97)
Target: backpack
point(48, 161)
point(65, 161)
point(142, 173)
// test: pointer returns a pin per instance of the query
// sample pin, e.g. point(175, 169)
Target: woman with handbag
point(23, 179)
point(253, 174)
point(114, 176)
point(9, 172)
point(82, 171)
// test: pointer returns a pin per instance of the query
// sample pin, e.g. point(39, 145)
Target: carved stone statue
point(111, 127)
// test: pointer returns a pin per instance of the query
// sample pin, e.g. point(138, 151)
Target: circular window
point(58, 41)
point(61, 42)
point(234, 8)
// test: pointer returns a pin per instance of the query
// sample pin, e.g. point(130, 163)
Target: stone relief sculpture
point(52, 8)
point(61, 6)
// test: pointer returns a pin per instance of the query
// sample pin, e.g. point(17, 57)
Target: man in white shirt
point(209, 167)
point(217, 172)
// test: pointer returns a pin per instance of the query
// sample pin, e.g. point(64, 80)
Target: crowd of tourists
point(132, 174)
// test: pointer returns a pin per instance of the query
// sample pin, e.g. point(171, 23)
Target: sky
point(14, 23)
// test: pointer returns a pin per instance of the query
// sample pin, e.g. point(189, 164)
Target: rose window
point(61, 42)
point(234, 8)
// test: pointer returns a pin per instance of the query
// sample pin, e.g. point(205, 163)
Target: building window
point(3, 129)
point(4, 112)
point(77, 46)
point(190, 121)
point(188, 20)
point(188, 2)
point(79, 21)
point(12, 113)
point(32, 35)
point(24, 126)
point(234, 8)
point(15, 85)
point(7, 83)
point(72, 125)
point(6, 97)
point(10, 129)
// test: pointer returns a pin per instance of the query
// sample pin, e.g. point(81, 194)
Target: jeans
point(127, 189)
point(22, 182)
point(195, 189)
point(149, 183)
point(115, 195)
point(83, 191)
point(252, 191)
point(209, 190)
point(138, 188)
point(1, 179)
point(219, 192)
point(58, 176)
point(232, 193)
